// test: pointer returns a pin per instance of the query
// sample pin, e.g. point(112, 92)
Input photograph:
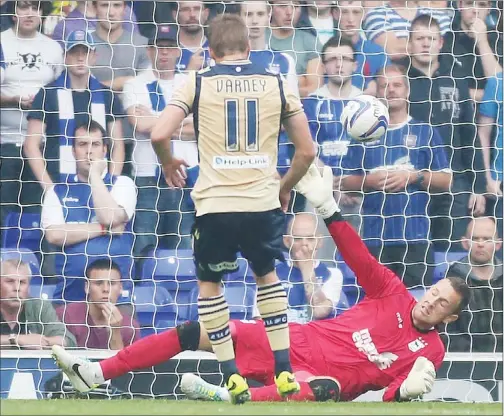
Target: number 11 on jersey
point(233, 127)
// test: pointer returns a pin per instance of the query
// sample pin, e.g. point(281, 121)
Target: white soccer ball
point(365, 118)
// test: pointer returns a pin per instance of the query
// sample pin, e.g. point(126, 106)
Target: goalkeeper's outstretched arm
point(375, 278)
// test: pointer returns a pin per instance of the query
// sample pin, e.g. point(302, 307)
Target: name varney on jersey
point(232, 86)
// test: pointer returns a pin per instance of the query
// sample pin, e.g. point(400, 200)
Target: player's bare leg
point(147, 352)
point(214, 317)
point(272, 304)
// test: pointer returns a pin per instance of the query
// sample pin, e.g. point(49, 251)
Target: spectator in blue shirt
point(313, 289)
point(338, 57)
point(323, 110)
point(162, 214)
point(89, 216)
point(191, 17)
point(396, 174)
point(490, 120)
point(369, 56)
point(57, 108)
point(256, 15)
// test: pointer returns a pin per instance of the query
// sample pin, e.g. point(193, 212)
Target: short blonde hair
point(16, 264)
point(228, 34)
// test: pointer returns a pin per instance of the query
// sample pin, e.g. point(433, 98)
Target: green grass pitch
point(185, 407)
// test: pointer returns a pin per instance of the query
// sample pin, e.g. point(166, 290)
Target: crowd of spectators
point(82, 85)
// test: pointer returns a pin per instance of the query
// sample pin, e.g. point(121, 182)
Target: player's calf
point(214, 317)
point(272, 304)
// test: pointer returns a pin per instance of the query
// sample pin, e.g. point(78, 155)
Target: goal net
point(91, 230)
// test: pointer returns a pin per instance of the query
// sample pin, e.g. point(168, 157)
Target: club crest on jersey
point(372, 142)
point(335, 148)
point(410, 140)
point(364, 343)
point(274, 68)
point(417, 344)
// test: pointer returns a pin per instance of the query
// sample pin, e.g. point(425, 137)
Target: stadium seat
point(23, 231)
point(47, 291)
point(126, 296)
point(169, 266)
point(442, 260)
point(153, 303)
point(240, 299)
point(182, 299)
point(23, 254)
point(174, 270)
point(40, 288)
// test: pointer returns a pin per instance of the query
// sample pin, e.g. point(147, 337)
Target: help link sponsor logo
point(241, 162)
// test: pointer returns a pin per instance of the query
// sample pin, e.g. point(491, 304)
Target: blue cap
point(164, 32)
point(79, 37)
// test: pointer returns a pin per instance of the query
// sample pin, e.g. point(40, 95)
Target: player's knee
point(324, 389)
point(206, 275)
point(189, 335)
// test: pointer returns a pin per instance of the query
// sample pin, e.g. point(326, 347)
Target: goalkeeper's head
point(442, 303)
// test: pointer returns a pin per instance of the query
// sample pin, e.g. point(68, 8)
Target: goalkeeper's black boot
point(325, 388)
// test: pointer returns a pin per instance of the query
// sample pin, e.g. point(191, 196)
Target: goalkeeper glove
point(419, 381)
point(318, 189)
